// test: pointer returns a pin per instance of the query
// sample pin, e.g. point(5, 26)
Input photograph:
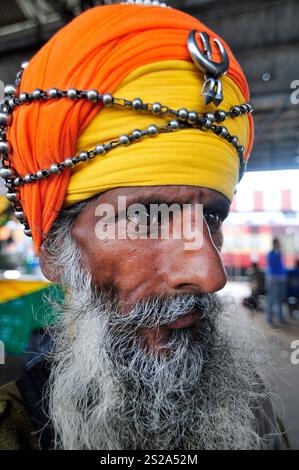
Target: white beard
point(107, 391)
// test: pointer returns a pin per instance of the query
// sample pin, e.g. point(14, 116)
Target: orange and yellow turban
point(130, 51)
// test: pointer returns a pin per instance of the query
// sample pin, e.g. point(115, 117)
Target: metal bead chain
point(181, 119)
point(100, 149)
point(149, 3)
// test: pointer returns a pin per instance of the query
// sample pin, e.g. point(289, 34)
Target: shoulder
point(16, 431)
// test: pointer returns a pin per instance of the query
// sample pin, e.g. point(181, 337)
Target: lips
point(185, 321)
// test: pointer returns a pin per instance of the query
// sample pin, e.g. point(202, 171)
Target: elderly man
point(122, 110)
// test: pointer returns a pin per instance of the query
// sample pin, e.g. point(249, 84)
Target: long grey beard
point(108, 391)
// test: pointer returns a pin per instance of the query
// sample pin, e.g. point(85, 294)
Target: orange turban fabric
point(98, 50)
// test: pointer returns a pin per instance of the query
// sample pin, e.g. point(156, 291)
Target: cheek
point(122, 260)
point(126, 265)
point(218, 239)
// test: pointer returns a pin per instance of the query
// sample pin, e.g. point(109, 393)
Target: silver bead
point(19, 215)
point(107, 99)
point(207, 123)
point(83, 156)
point(72, 93)
point(5, 147)
point(236, 111)
point(5, 119)
point(137, 104)
point(27, 232)
point(243, 108)
point(224, 132)
point(24, 64)
point(241, 149)
point(9, 185)
point(100, 149)
point(40, 175)
point(192, 117)
point(210, 116)
point(6, 173)
point(11, 103)
point(234, 140)
point(137, 134)
point(152, 130)
point(37, 94)
point(18, 181)
point(124, 139)
point(156, 108)
point(10, 90)
point(54, 169)
point(5, 109)
point(23, 97)
point(68, 163)
point(183, 114)
point(220, 115)
point(92, 95)
point(53, 92)
point(174, 124)
point(27, 179)
point(12, 197)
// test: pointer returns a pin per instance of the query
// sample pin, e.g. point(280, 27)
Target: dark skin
point(138, 269)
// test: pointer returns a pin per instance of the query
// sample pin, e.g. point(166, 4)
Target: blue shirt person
point(276, 277)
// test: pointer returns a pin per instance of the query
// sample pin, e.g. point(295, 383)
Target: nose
point(194, 271)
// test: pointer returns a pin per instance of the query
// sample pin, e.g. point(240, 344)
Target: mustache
point(157, 311)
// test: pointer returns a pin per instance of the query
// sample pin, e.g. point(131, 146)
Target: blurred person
point(276, 283)
point(257, 286)
point(293, 289)
point(139, 359)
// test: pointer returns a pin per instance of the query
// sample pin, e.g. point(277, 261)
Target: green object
point(18, 317)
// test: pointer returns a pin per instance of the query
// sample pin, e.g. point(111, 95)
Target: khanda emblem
point(212, 87)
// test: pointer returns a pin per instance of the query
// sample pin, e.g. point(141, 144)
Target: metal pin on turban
point(212, 87)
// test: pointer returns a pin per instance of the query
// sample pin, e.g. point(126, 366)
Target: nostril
point(188, 287)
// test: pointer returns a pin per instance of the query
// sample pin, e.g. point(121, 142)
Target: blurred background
point(264, 36)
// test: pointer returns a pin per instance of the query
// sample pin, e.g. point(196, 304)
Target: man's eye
point(139, 217)
point(213, 220)
point(143, 217)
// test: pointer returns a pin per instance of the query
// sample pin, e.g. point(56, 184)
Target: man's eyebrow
point(152, 199)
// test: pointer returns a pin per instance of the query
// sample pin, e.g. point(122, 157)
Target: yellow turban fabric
point(187, 157)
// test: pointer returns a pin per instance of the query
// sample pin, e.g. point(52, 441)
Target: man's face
point(137, 269)
point(140, 357)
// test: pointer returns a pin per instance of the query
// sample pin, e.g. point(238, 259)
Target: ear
point(48, 270)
